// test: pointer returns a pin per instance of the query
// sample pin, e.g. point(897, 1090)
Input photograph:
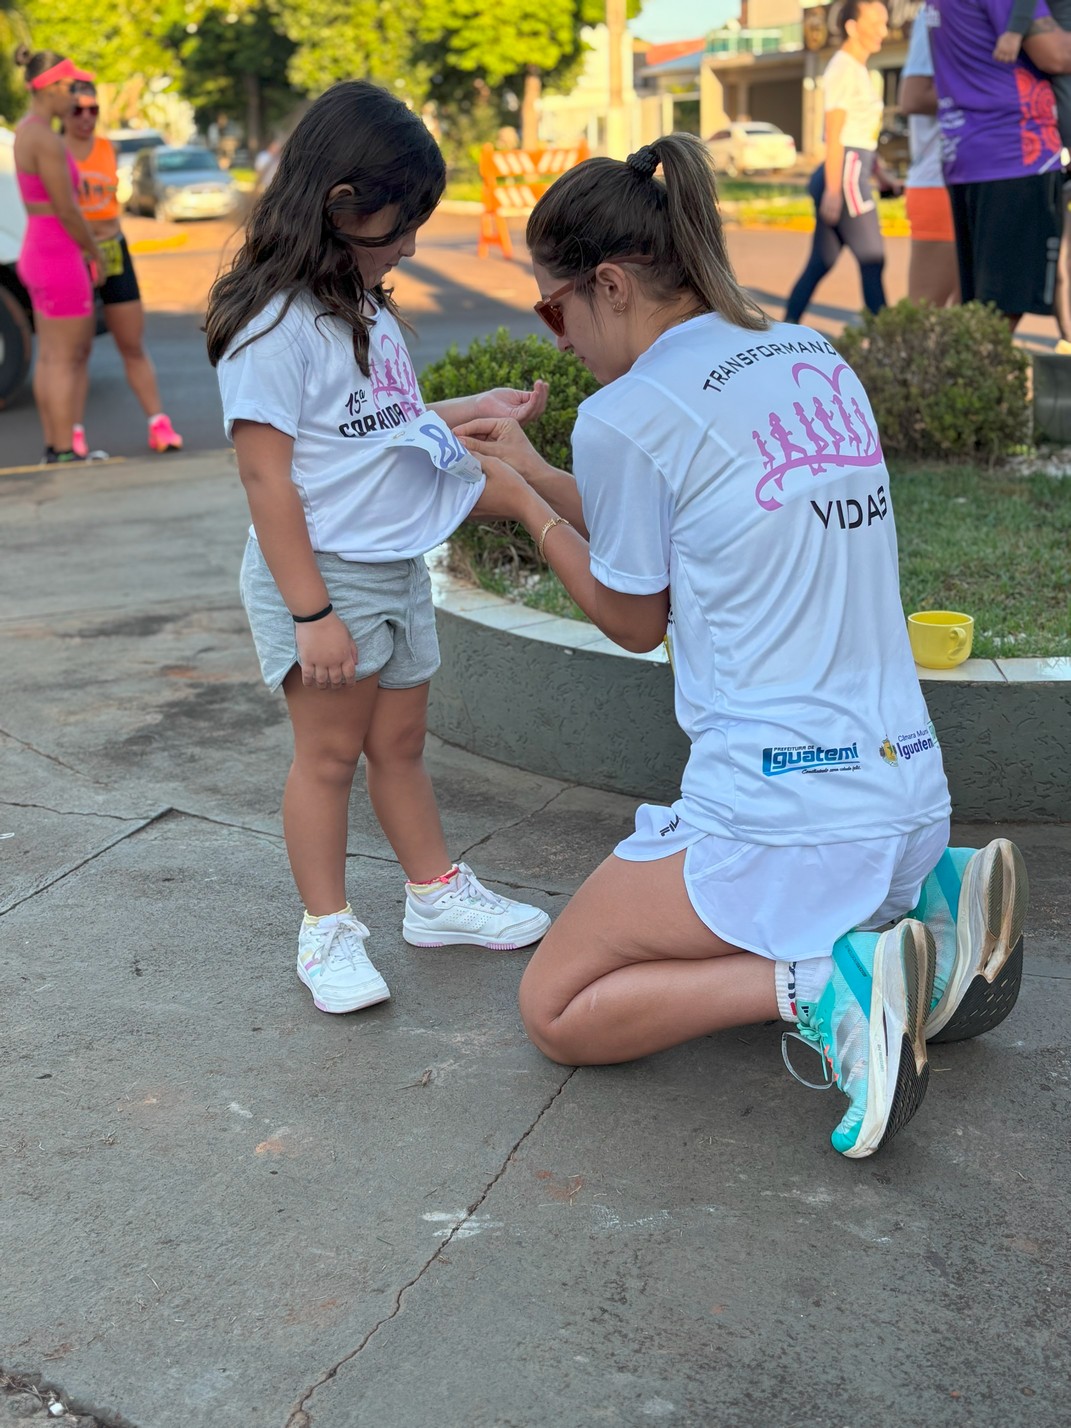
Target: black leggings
point(858, 230)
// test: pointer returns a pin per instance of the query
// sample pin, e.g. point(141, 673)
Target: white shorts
point(789, 903)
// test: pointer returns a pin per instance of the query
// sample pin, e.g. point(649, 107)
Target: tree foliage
point(354, 39)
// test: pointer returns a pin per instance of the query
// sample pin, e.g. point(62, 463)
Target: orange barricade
point(513, 181)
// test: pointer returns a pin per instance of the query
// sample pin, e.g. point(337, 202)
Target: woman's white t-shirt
point(364, 498)
point(743, 471)
point(847, 85)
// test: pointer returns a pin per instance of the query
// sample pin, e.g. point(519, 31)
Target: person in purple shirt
point(1000, 150)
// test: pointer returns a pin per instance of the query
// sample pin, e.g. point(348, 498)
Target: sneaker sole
point(989, 953)
point(368, 1000)
point(897, 1027)
point(467, 939)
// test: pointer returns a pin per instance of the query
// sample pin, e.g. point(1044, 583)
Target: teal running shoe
point(868, 1026)
point(974, 904)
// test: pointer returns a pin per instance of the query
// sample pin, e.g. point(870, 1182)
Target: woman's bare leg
point(933, 273)
point(629, 969)
point(126, 323)
point(398, 783)
point(59, 375)
point(330, 726)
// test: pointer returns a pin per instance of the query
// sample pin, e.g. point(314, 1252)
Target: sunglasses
point(549, 309)
point(93, 109)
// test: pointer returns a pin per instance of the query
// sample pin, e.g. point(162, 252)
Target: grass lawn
point(995, 545)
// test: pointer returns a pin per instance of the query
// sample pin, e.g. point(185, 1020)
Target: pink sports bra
point(32, 186)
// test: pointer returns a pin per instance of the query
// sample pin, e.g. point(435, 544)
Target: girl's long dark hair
point(606, 208)
point(355, 134)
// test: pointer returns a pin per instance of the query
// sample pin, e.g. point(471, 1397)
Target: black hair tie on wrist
point(308, 619)
point(643, 162)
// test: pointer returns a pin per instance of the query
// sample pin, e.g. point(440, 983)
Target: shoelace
point(814, 1043)
point(468, 889)
point(340, 944)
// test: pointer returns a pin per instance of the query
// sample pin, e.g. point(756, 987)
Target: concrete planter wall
point(557, 698)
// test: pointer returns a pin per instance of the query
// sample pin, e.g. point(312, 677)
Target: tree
point(113, 41)
point(234, 60)
point(354, 39)
point(517, 45)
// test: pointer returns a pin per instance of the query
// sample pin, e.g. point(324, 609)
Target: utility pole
point(617, 125)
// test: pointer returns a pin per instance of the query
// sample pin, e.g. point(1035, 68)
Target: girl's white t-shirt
point(848, 85)
point(365, 499)
point(743, 470)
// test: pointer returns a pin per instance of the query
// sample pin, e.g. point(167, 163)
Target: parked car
point(16, 319)
point(176, 183)
point(752, 148)
point(128, 145)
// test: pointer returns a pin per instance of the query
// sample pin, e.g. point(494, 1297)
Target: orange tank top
point(98, 180)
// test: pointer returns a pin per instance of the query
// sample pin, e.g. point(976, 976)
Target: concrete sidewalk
point(222, 1208)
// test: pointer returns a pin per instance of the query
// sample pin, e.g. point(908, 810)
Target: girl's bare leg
point(629, 969)
point(398, 783)
point(59, 375)
point(330, 727)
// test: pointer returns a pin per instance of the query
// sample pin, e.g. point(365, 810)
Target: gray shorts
point(386, 607)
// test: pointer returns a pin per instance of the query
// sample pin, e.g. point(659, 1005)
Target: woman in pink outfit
point(60, 260)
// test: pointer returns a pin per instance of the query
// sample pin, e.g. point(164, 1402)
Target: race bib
point(111, 250)
point(430, 434)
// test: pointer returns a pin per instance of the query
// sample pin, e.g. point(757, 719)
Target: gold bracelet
point(554, 521)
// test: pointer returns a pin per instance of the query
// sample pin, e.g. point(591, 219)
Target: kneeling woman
point(730, 487)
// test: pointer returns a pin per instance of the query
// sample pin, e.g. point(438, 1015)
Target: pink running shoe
point(162, 435)
point(79, 445)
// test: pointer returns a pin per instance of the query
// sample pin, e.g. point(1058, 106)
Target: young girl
point(59, 260)
point(350, 480)
point(734, 469)
point(123, 312)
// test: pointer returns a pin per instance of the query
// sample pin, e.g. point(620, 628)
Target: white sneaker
point(469, 914)
point(334, 966)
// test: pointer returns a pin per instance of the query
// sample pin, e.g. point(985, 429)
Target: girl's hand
point(327, 653)
point(502, 437)
point(831, 206)
point(504, 492)
point(508, 402)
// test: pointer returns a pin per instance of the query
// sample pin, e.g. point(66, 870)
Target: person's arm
point(499, 403)
point(325, 647)
point(637, 623)
point(833, 197)
point(1048, 46)
point(504, 438)
point(918, 94)
point(52, 169)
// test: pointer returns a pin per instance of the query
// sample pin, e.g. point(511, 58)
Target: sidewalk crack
point(52, 758)
point(299, 1417)
point(521, 818)
point(67, 812)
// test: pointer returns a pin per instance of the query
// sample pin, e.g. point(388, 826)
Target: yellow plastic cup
point(940, 639)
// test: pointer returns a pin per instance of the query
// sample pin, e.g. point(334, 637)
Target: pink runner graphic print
point(395, 380)
point(820, 433)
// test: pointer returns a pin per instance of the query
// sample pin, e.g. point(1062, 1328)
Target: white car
point(16, 321)
point(752, 148)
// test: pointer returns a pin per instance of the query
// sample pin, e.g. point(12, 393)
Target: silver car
point(176, 183)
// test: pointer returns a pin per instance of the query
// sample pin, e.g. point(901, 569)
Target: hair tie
point(643, 162)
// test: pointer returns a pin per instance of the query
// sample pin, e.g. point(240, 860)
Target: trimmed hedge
point(504, 361)
point(944, 382)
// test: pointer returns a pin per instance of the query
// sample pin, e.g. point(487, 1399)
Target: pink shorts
point(53, 270)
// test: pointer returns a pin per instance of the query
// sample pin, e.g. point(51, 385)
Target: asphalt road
point(449, 295)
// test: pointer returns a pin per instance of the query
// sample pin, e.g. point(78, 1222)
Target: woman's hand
point(831, 207)
point(504, 494)
point(504, 402)
point(502, 437)
point(327, 653)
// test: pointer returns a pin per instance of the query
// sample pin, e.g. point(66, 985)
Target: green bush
point(504, 361)
point(943, 382)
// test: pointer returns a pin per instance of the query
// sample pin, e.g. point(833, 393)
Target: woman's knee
point(547, 1031)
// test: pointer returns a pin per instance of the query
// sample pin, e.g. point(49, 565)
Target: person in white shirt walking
point(350, 480)
point(729, 488)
